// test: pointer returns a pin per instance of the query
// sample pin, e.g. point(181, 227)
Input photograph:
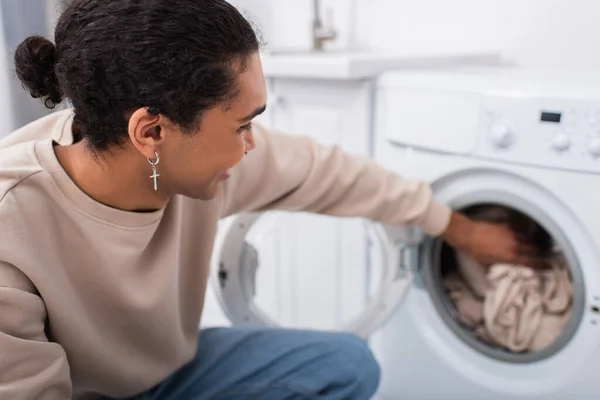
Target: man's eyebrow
point(254, 113)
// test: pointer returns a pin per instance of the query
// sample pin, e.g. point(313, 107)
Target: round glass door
point(302, 270)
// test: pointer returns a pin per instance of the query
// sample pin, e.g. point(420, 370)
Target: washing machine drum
point(310, 271)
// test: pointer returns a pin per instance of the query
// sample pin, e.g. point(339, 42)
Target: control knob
point(501, 135)
point(561, 142)
point(594, 147)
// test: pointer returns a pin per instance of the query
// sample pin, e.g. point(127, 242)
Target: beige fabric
point(470, 309)
point(474, 275)
point(557, 295)
point(468, 306)
point(95, 300)
point(513, 306)
point(523, 309)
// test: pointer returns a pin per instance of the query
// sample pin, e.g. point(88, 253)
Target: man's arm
point(295, 173)
point(31, 367)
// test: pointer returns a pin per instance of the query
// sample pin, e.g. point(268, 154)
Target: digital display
point(550, 117)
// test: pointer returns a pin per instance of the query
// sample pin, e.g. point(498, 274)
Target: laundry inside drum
point(508, 309)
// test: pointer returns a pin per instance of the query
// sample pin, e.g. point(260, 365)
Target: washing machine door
point(235, 264)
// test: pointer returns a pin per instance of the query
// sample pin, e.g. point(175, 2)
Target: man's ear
point(146, 130)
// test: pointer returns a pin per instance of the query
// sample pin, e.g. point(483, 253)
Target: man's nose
point(249, 138)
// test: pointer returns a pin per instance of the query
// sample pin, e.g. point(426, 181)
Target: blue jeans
point(273, 364)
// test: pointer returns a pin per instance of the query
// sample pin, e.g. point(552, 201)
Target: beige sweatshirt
point(95, 300)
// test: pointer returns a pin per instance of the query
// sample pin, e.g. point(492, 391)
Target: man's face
point(195, 164)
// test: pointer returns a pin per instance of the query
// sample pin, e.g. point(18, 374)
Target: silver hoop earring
point(154, 174)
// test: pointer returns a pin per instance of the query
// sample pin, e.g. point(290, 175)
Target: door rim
point(232, 283)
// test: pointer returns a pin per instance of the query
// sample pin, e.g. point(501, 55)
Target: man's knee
point(334, 364)
point(359, 368)
point(359, 349)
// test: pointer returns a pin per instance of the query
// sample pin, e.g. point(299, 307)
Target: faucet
point(320, 32)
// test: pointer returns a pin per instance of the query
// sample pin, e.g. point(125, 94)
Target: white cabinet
point(333, 112)
point(313, 268)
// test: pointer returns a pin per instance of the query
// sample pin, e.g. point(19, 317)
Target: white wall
point(536, 33)
point(287, 23)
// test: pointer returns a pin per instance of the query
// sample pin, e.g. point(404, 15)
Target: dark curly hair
point(180, 57)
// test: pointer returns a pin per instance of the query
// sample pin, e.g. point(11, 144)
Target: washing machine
point(521, 139)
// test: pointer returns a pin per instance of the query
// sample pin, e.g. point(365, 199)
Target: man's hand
point(489, 243)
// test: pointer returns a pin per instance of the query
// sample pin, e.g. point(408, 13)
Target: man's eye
point(246, 127)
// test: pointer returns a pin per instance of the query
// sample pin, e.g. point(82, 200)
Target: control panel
point(545, 132)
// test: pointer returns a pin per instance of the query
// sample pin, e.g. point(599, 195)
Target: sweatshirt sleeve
point(295, 173)
point(31, 367)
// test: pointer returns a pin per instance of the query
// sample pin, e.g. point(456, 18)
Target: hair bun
point(35, 62)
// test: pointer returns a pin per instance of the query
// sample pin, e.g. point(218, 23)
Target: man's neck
point(120, 181)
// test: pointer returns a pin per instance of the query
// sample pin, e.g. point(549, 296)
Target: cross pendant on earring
point(154, 174)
